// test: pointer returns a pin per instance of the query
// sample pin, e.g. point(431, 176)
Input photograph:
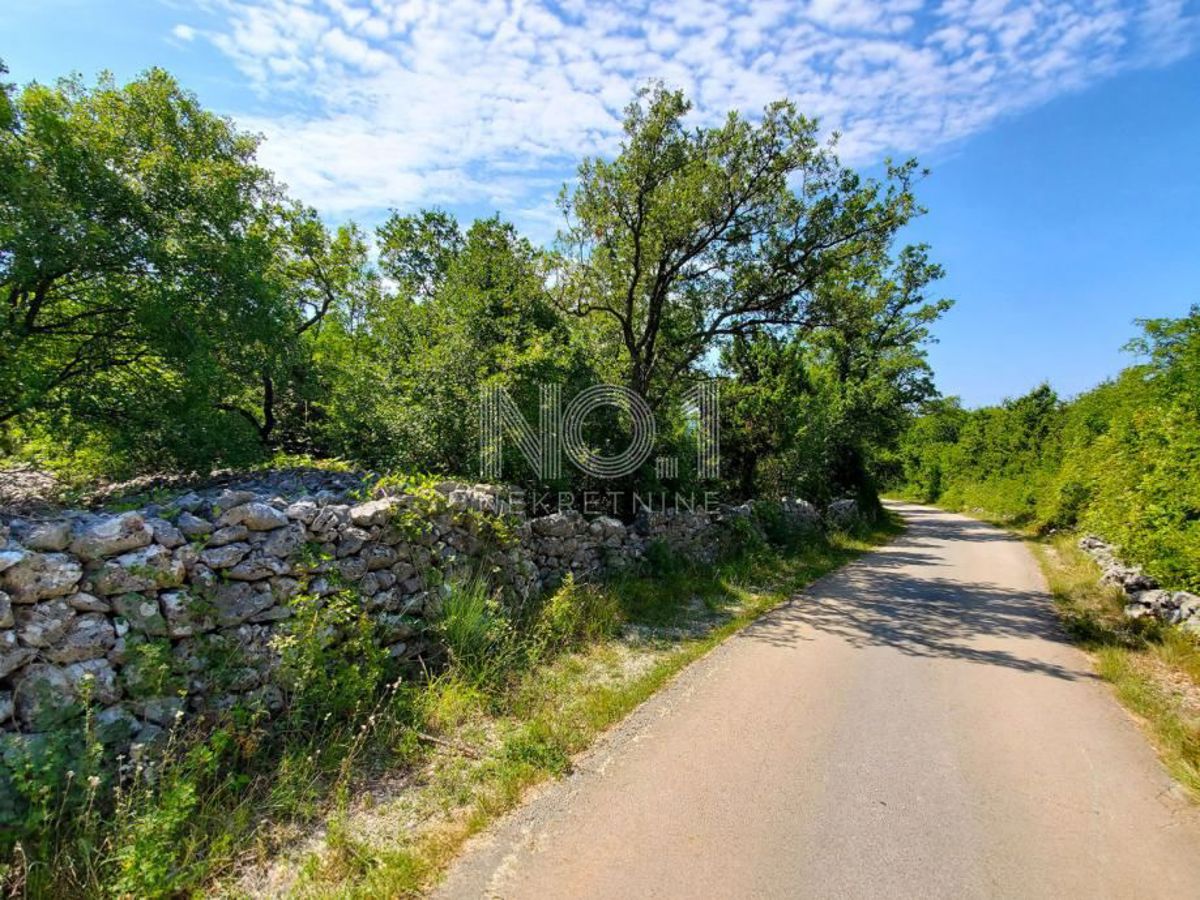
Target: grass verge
point(1154, 668)
point(487, 743)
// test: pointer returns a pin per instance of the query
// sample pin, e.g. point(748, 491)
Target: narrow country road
point(914, 725)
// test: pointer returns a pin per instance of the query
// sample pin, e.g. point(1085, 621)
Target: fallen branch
point(453, 745)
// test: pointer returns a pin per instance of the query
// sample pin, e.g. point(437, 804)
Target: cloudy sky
point(1058, 130)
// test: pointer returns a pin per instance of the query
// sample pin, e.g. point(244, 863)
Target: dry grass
point(1154, 669)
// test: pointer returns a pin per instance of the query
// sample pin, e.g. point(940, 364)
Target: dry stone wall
point(214, 574)
point(1144, 598)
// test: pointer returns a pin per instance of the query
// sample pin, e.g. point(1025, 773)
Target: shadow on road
point(912, 597)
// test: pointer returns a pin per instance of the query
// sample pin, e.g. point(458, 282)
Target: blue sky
point(1063, 135)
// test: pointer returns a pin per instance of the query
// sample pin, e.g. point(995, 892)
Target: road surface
point(914, 725)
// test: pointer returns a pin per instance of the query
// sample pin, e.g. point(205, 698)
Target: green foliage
point(477, 633)
point(404, 386)
point(331, 662)
point(575, 615)
point(692, 235)
point(1122, 460)
point(171, 308)
point(149, 669)
point(135, 247)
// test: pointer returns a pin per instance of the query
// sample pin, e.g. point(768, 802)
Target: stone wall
point(1143, 596)
point(215, 573)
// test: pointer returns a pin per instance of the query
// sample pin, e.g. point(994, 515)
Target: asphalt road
point(914, 725)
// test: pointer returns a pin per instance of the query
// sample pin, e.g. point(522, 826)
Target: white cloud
point(408, 102)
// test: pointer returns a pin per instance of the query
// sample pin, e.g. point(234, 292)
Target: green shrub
point(477, 632)
point(574, 615)
point(331, 661)
point(1122, 460)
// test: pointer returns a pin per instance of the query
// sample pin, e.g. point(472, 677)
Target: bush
point(477, 632)
point(1122, 460)
point(331, 661)
point(574, 615)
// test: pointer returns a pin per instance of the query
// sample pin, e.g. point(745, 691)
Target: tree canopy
point(692, 236)
point(167, 305)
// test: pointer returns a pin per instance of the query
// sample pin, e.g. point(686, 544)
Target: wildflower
point(93, 781)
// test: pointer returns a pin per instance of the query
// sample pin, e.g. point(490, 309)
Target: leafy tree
point(480, 315)
point(417, 251)
point(694, 235)
point(135, 242)
point(818, 413)
point(1122, 459)
point(321, 275)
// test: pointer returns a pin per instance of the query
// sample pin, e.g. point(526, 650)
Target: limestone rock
point(166, 534)
point(284, 588)
point(302, 511)
point(12, 654)
point(112, 535)
point(43, 696)
point(228, 499)
point(43, 624)
point(89, 636)
point(185, 615)
point(477, 500)
point(224, 557)
point(193, 526)
point(142, 613)
point(227, 535)
point(284, 542)
point(558, 524)
point(51, 536)
point(237, 601)
point(256, 516)
point(147, 569)
point(258, 567)
point(83, 602)
point(374, 512)
point(40, 576)
point(352, 568)
point(352, 541)
point(1188, 605)
point(189, 502)
point(9, 558)
point(379, 556)
point(94, 679)
point(330, 518)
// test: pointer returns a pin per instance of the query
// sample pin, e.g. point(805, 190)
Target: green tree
point(407, 391)
point(691, 236)
point(818, 413)
point(417, 251)
point(135, 237)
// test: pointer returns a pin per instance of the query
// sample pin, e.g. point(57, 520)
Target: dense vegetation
point(1122, 460)
point(166, 305)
